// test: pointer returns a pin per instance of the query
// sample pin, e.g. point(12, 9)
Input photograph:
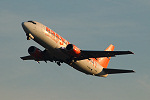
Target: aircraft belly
point(87, 68)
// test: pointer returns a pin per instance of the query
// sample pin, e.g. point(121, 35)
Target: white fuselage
point(52, 42)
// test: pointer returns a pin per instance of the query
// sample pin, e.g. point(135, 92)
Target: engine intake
point(73, 50)
point(31, 49)
point(69, 47)
point(35, 52)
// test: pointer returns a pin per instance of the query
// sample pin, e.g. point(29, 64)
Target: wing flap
point(116, 71)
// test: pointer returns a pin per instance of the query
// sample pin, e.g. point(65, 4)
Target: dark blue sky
point(91, 25)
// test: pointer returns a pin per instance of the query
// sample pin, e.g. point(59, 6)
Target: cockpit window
point(32, 22)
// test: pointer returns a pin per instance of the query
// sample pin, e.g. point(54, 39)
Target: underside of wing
point(97, 54)
point(30, 58)
point(27, 58)
point(116, 71)
point(36, 54)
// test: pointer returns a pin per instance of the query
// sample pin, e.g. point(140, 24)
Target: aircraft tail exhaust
point(105, 60)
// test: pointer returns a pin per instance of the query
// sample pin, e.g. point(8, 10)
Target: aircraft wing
point(27, 58)
point(116, 71)
point(43, 58)
point(97, 54)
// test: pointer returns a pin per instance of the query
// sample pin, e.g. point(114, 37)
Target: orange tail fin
point(105, 60)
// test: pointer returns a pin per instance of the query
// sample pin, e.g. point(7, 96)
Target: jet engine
point(36, 53)
point(73, 50)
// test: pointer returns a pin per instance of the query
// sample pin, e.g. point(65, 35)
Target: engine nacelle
point(36, 53)
point(73, 50)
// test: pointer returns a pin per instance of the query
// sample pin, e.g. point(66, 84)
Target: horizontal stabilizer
point(116, 71)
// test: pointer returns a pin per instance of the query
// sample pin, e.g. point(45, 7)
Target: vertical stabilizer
point(105, 60)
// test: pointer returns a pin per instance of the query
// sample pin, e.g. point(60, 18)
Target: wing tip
point(21, 58)
point(27, 58)
point(131, 52)
point(133, 71)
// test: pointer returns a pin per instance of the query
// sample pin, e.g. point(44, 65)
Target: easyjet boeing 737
point(59, 50)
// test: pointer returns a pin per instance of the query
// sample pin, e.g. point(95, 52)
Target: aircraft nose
point(25, 27)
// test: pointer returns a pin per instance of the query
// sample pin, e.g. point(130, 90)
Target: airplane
point(59, 50)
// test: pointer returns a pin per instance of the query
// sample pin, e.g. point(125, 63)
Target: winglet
point(105, 60)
